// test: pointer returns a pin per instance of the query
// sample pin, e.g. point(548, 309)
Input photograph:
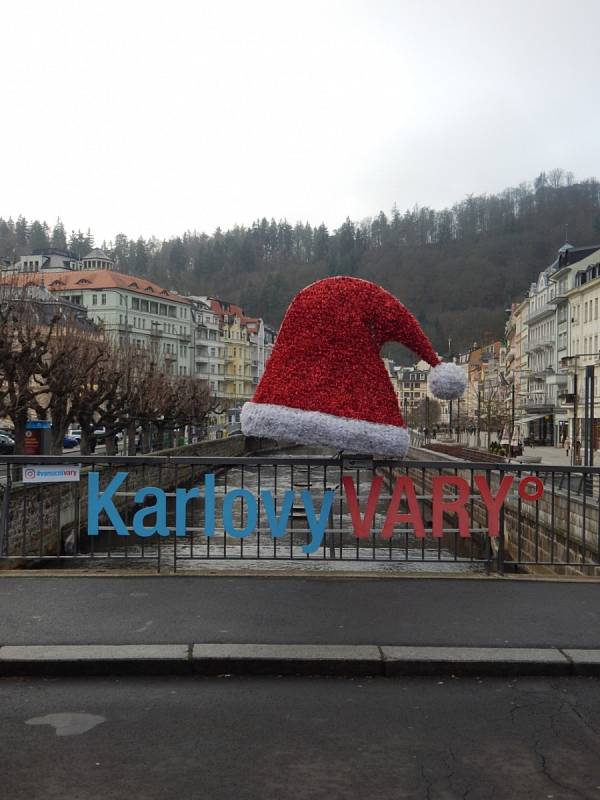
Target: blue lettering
point(252, 512)
point(97, 503)
point(317, 526)
point(278, 526)
point(159, 509)
point(209, 504)
point(181, 500)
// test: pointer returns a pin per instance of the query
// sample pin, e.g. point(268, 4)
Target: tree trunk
point(57, 439)
point(146, 441)
point(131, 439)
point(85, 442)
point(19, 432)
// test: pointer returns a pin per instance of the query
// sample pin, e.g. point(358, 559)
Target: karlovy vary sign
point(403, 507)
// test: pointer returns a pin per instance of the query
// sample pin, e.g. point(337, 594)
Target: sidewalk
point(553, 456)
point(85, 625)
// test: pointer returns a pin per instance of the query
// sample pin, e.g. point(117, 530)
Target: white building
point(208, 348)
point(133, 311)
point(53, 260)
point(581, 290)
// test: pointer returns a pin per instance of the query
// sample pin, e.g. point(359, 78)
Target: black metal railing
point(326, 510)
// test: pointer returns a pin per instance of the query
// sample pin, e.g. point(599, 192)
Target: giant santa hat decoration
point(325, 382)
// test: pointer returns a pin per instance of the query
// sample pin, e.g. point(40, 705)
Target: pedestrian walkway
point(273, 626)
point(457, 612)
point(550, 455)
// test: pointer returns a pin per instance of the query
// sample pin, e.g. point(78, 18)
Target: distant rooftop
point(97, 253)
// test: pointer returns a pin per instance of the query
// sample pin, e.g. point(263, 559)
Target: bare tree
point(28, 322)
point(74, 356)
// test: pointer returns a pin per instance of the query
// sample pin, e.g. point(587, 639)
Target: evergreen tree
point(21, 235)
point(38, 237)
point(59, 236)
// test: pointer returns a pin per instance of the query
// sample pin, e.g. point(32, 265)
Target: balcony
point(540, 313)
point(185, 337)
point(540, 344)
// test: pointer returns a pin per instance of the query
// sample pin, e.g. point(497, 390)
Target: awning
point(530, 419)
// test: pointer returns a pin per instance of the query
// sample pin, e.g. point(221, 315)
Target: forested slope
point(457, 269)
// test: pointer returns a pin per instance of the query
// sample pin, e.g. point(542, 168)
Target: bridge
point(301, 510)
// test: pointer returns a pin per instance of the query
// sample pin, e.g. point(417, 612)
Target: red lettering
point(456, 506)
point(362, 525)
point(534, 481)
point(404, 486)
point(493, 504)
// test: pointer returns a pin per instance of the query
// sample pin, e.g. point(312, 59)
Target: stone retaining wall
point(555, 528)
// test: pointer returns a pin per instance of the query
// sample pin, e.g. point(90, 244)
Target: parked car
point(7, 444)
point(75, 433)
point(69, 442)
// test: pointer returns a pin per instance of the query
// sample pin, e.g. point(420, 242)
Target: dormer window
point(133, 285)
point(83, 280)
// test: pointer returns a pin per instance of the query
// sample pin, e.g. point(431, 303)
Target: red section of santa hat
point(325, 382)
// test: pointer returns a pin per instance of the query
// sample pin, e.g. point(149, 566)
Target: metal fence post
point(5, 512)
point(501, 534)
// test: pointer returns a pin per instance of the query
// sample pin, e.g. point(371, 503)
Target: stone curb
point(294, 659)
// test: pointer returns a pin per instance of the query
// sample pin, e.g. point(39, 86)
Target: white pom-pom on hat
point(447, 381)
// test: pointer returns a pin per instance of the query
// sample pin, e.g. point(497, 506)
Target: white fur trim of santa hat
point(447, 381)
point(314, 427)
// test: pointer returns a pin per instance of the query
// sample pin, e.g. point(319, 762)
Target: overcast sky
point(156, 117)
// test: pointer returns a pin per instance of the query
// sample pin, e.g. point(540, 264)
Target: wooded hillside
point(457, 269)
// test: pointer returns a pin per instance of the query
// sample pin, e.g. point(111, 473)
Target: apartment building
point(411, 383)
point(132, 311)
point(207, 348)
point(545, 329)
point(248, 343)
point(582, 295)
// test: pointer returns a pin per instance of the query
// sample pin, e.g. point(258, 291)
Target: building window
point(596, 308)
point(94, 299)
point(135, 303)
point(103, 299)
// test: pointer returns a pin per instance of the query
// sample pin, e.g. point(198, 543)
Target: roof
point(223, 308)
point(97, 253)
point(69, 281)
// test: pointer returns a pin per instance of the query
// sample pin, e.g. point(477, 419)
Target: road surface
point(300, 739)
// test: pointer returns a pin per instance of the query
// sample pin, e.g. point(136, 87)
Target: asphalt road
point(300, 739)
point(39, 609)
